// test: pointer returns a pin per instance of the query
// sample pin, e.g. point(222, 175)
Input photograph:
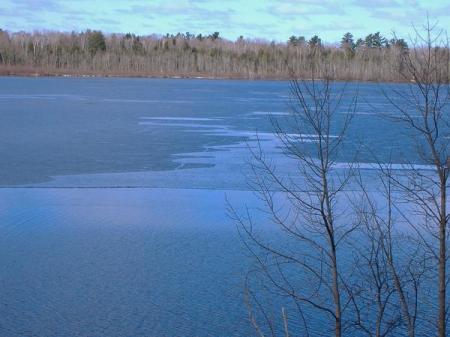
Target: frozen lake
point(53, 128)
point(112, 207)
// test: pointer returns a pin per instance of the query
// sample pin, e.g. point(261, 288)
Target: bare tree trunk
point(337, 297)
point(442, 260)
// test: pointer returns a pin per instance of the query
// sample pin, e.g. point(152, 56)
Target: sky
point(266, 19)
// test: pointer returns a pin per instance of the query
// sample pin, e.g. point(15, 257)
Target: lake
point(113, 219)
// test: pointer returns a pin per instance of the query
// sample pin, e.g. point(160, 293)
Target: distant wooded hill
point(186, 55)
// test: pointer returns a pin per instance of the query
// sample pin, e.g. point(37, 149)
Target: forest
point(373, 58)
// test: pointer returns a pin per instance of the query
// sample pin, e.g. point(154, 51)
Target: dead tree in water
point(303, 264)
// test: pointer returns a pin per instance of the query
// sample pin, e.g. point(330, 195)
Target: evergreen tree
point(296, 41)
point(399, 43)
point(376, 41)
point(95, 42)
point(347, 41)
point(292, 41)
point(214, 36)
point(315, 42)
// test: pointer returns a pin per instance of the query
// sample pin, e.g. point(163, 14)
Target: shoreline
point(51, 74)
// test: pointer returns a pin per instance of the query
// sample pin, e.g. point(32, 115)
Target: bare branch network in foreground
point(304, 264)
point(423, 108)
point(371, 262)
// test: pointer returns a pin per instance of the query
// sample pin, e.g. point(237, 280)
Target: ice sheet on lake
point(121, 100)
point(172, 120)
point(270, 113)
point(194, 119)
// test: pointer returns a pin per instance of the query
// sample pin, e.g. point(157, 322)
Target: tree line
point(187, 55)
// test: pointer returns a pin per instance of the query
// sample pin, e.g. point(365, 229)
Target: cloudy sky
point(269, 19)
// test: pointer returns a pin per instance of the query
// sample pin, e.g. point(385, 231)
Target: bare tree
point(383, 291)
point(304, 263)
point(393, 262)
point(422, 106)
